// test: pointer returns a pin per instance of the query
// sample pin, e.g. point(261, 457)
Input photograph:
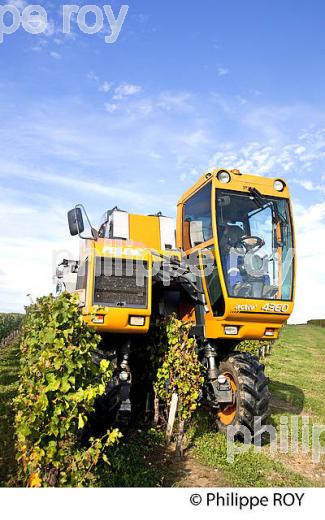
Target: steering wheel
point(250, 243)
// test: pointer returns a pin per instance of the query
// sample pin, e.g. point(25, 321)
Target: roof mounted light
point(223, 176)
point(279, 185)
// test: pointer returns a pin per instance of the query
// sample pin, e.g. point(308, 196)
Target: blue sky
point(186, 86)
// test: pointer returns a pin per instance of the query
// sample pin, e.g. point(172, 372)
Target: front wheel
point(251, 396)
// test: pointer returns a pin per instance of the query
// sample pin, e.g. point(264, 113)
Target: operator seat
point(231, 235)
point(239, 282)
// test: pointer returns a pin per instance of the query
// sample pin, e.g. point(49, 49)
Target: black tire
point(252, 394)
point(109, 409)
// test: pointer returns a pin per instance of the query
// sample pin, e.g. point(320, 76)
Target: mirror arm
point(94, 232)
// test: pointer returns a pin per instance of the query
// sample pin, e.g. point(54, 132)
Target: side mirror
point(76, 222)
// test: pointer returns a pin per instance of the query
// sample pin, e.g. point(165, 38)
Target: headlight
point(98, 319)
point(231, 330)
point(137, 321)
point(279, 185)
point(222, 379)
point(223, 176)
point(123, 376)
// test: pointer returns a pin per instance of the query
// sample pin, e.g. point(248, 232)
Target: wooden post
point(156, 409)
point(179, 442)
point(171, 417)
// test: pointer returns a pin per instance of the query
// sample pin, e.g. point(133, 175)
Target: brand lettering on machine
point(245, 307)
point(126, 251)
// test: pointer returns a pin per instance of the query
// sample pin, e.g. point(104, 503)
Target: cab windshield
point(256, 244)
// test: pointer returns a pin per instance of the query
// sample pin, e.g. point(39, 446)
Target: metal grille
point(120, 283)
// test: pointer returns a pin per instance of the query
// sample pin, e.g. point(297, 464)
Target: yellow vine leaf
point(35, 481)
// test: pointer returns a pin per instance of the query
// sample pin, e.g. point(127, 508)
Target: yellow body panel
point(116, 319)
point(252, 324)
point(145, 230)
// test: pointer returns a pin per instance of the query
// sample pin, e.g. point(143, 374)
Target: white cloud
point(86, 186)
point(51, 29)
point(273, 157)
point(222, 71)
point(155, 155)
point(174, 101)
point(144, 107)
point(310, 186)
point(111, 107)
point(241, 100)
point(196, 139)
point(126, 89)
point(105, 86)
point(55, 55)
point(300, 150)
point(40, 45)
point(93, 77)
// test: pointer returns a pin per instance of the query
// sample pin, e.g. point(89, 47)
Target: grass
point(297, 373)
point(297, 370)
point(9, 368)
point(133, 462)
point(249, 469)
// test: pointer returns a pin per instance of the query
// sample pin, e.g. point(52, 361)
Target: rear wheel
point(250, 389)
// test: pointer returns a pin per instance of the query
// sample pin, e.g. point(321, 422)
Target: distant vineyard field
point(9, 322)
point(318, 323)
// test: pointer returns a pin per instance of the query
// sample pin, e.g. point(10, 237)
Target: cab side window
point(197, 218)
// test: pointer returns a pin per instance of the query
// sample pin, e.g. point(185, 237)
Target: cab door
point(198, 244)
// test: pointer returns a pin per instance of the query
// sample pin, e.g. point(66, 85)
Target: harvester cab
point(229, 270)
point(243, 224)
